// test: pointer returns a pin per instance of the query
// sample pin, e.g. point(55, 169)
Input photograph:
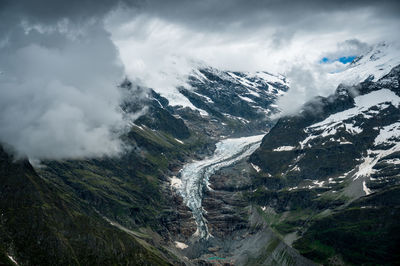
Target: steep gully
point(194, 176)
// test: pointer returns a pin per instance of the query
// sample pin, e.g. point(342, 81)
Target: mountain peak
point(372, 65)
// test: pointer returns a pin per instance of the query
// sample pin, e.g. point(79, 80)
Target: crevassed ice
point(195, 175)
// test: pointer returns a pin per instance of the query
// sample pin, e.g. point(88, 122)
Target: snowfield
point(377, 62)
point(380, 100)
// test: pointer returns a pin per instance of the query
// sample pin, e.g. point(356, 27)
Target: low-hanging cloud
point(59, 95)
point(305, 84)
point(60, 60)
point(308, 80)
point(163, 41)
point(59, 99)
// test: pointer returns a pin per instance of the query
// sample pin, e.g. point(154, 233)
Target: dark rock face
point(179, 221)
point(244, 95)
point(241, 102)
point(331, 152)
point(334, 164)
point(225, 207)
point(158, 116)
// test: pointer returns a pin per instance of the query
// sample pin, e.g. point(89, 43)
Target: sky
point(61, 61)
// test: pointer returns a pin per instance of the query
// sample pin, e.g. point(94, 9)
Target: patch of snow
point(319, 184)
point(242, 80)
point(175, 98)
point(352, 129)
point(245, 121)
point(331, 181)
point(284, 148)
point(208, 99)
point(257, 168)
point(158, 102)
point(306, 140)
point(392, 161)
point(254, 93)
point(365, 169)
point(180, 141)
point(366, 189)
point(176, 182)
point(247, 99)
point(269, 77)
point(295, 168)
point(362, 103)
point(12, 259)
point(180, 245)
point(387, 133)
point(344, 175)
point(200, 76)
point(140, 127)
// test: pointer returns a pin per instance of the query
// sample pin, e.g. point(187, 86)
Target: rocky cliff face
point(351, 134)
point(326, 163)
point(224, 103)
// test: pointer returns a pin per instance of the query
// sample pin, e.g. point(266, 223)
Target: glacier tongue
point(194, 176)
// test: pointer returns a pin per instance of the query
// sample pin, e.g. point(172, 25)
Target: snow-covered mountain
point(251, 97)
point(249, 86)
point(222, 103)
point(340, 161)
point(348, 134)
point(374, 64)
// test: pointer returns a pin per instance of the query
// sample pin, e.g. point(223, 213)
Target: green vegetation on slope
point(366, 232)
point(40, 227)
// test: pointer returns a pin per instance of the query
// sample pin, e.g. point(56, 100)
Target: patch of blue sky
point(343, 59)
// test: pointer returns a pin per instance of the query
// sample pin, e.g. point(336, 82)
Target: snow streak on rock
point(365, 105)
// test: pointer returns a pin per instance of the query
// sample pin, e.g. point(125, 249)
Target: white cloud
point(59, 98)
point(160, 50)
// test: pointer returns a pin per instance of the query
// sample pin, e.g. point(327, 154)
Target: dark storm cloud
point(48, 11)
point(217, 15)
point(212, 14)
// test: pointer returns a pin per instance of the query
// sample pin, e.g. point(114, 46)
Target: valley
point(214, 180)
